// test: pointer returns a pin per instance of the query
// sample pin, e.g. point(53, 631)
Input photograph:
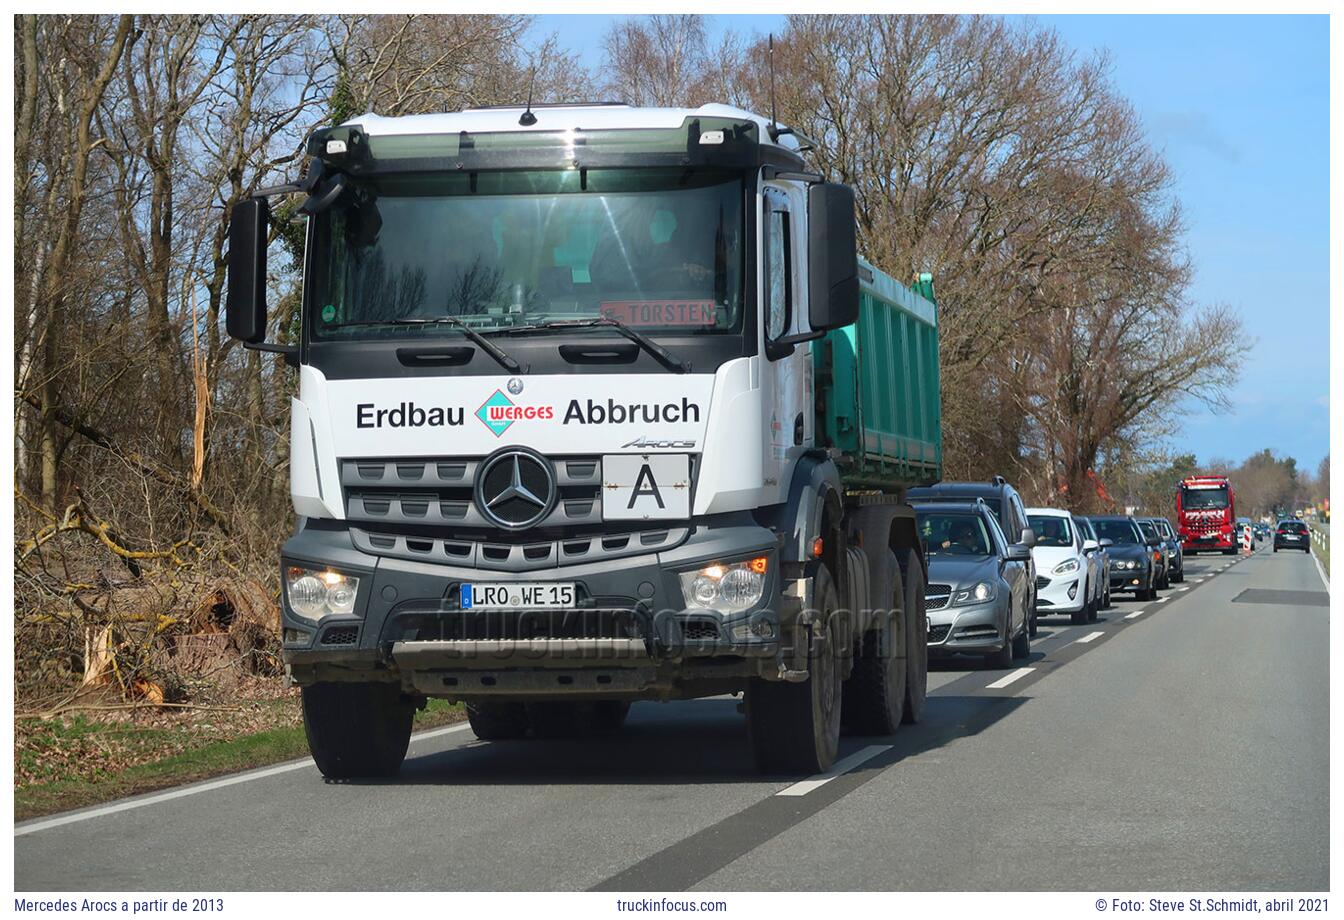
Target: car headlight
point(317, 593)
point(974, 595)
point(1126, 564)
point(725, 587)
point(1067, 566)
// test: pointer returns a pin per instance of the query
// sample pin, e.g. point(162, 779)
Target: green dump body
point(877, 386)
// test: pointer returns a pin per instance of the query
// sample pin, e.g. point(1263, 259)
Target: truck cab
point(555, 446)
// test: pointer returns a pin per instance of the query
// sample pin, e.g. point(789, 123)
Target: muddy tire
point(357, 730)
point(917, 643)
point(874, 695)
point(497, 721)
point(795, 727)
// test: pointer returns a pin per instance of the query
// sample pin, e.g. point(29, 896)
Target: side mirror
point(1019, 552)
point(245, 304)
point(832, 257)
point(1028, 537)
point(1090, 546)
point(1105, 542)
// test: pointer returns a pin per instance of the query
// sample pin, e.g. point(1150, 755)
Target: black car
point(1000, 498)
point(977, 599)
point(1292, 535)
point(1175, 551)
point(1135, 559)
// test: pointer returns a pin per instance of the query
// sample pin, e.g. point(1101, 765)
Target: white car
point(1067, 576)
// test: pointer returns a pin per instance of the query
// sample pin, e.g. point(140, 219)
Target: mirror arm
point(783, 346)
point(290, 352)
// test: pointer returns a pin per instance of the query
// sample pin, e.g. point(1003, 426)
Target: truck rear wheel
point(917, 643)
point(496, 721)
point(357, 730)
point(795, 727)
point(553, 720)
point(874, 695)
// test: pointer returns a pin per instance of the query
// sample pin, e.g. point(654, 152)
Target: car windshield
point(1118, 532)
point(1203, 498)
point(954, 534)
point(1149, 530)
point(1051, 530)
point(1293, 527)
point(1165, 529)
point(655, 249)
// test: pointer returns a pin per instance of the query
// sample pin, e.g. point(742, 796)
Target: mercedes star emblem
point(515, 488)
point(515, 385)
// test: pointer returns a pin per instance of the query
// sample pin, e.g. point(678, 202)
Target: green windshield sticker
point(328, 313)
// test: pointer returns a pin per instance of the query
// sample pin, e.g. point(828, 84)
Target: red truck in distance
point(1205, 514)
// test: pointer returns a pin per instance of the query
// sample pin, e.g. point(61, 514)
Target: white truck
point(584, 417)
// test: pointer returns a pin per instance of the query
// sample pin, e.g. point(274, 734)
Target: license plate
point(534, 595)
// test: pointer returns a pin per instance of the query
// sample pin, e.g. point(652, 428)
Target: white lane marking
point(1163, 600)
point(43, 824)
point(1321, 572)
point(840, 769)
point(1090, 636)
point(1136, 613)
point(1184, 588)
point(1005, 681)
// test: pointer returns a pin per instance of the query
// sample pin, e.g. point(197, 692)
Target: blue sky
point(1240, 105)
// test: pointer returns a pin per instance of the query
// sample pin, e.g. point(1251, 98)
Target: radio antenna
point(528, 119)
point(774, 121)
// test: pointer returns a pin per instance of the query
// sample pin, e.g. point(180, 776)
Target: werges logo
point(499, 412)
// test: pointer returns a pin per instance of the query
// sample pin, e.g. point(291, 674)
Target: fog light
point(757, 629)
point(297, 636)
point(1073, 590)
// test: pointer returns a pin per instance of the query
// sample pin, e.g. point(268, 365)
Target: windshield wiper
point(487, 346)
point(660, 354)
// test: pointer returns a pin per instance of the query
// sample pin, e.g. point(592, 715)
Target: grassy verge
point(53, 772)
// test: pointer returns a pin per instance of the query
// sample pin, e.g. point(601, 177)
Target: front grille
point(1042, 581)
point(938, 633)
point(699, 630)
point(438, 492)
point(340, 635)
point(424, 510)
point(936, 596)
point(534, 553)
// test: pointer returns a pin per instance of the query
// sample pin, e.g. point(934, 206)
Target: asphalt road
point(1180, 744)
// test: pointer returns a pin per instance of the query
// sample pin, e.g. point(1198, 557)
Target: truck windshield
point(1204, 498)
point(654, 249)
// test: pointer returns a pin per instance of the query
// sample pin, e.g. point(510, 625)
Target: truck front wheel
point(357, 730)
point(795, 727)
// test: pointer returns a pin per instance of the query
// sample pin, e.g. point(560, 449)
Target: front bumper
point(975, 628)
point(628, 624)
point(1132, 579)
point(1054, 596)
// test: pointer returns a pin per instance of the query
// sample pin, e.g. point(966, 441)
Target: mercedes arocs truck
point(596, 404)
point(1205, 514)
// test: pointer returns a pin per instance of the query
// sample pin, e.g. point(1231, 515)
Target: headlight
point(975, 595)
point(729, 587)
point(1067, 566)
point(314, 594)
point(1126, 564)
